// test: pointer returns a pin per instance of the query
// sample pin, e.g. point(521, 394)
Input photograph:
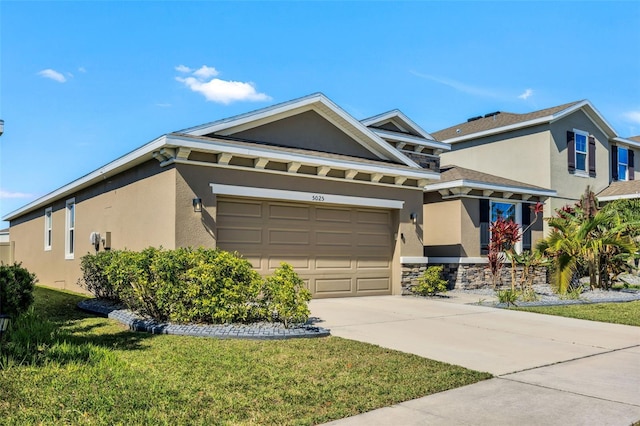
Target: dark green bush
point(94, 277)
point(285, 296)
point(16, 289)
point(196, 285)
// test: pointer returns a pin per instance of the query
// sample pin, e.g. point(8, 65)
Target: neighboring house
point(6, 247)
point(302, 182)
point(565, 148)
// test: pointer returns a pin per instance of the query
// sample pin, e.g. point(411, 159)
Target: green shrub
point(431, 282)
point(285, 296)
point(94, 277)
point(188, 285)
point(508, 296)
point(16, 289)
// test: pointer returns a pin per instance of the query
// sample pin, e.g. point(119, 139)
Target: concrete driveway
point(549, 370)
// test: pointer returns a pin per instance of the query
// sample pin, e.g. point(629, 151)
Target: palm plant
point(584, 236)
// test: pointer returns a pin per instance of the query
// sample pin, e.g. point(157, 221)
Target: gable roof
point(457, 180)
point(620, 189)
point(401, 121)
point(500, 122)
point(317, 102)
point(633, 141)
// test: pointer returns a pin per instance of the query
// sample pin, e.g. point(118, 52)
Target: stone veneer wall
point(465, 276)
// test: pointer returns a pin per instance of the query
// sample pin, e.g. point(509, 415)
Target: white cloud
point(459, 86)
point(182, 68)
point(206, 72)
point(8, 194)
point(527, 93)
point(53, 75)
point(633, 116)
point(217, 90)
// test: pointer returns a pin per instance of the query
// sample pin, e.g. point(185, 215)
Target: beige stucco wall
point(200, 229)
point(6, 252)
point(137, 207)
point(571, 186)
point(523, 157)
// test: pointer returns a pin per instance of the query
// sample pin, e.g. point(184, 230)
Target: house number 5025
point(317, 197)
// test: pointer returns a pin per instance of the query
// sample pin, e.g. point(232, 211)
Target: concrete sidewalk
point(549, 370)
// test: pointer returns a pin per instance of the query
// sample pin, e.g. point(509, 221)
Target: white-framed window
point(506, 211)
point(70, 229)
point(623, 163)
point(48, 228)
point(581, 140)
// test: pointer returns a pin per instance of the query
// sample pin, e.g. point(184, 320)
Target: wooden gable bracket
point(350, 174)
point(487, 192)
point(224, 158)
point(399, 180)
point(460, 191)
point(507, 194)
point(423, 182)
point(183, 153)
point(293, 167)
point(169, 153)
point(375, 177)
point(444, 192)
point(323, 170)
point(158, 156)
point(260, 163)
point(526, 197)
point(400, 145)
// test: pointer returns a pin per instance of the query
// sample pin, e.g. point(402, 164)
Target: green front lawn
point(105, 374)
point(618, 313)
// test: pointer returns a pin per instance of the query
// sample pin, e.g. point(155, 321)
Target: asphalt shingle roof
point(501, 119)
point(621, 188)
point(453, 173)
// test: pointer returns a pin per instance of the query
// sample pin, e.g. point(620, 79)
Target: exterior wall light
point(413, 217)
point(197, 205)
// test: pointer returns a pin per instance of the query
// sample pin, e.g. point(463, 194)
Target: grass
point(98, 372)
point(617, 313)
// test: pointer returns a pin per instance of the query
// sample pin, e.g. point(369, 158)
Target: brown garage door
point(338, 251)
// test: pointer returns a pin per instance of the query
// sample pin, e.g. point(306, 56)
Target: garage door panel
point(332, 262)
point(372, 217)
point(333, 285)
point(373, 263)
point(299, 263)
point(324, 214)
point(370, 239)
point(381, 283)
point(333, 238)
point(289, 236)
point(240, 209)
point(239, 235)
point(289, 212)
point(337, 251)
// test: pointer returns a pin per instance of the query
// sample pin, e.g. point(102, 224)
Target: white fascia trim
point(628, 142)
point(432, 260)
point(380, 147)
point(399, 114)
point(305, 197)
point(619, 197)
point(481, 185)
point(95, 176)
point(609, 131)
point(219, 146)
point(387, 134)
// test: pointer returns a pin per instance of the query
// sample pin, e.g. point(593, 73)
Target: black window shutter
point(526, 221)
point(631, 169)
point(484, 225)
point(614, 162)
point(571, 152)
point(592, 156)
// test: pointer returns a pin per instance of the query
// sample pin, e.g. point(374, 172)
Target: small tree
point(286, 297)
point(431, 282)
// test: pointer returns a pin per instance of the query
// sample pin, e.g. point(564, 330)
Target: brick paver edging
point(259, 331)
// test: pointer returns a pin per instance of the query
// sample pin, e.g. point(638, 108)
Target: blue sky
point(82, 83)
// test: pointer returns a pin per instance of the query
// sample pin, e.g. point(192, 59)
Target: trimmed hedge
point(16, 289)
point(189, 285)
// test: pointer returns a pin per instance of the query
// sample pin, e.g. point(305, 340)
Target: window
point(70, 228)
point(48, 225)
point(581, 152)
point(506, 211)
point(623, 163)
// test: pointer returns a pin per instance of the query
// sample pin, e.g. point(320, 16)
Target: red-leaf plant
point(504, 236)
